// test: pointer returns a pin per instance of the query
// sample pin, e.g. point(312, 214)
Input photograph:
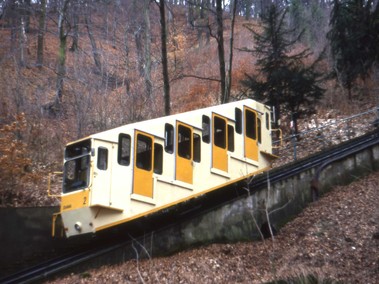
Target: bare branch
point(196, 77)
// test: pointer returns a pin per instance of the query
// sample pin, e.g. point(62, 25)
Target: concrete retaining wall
point(24, 234)
point(285, 199)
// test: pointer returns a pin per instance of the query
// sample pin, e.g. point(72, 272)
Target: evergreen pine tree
point(354, 38)
point(284, 81)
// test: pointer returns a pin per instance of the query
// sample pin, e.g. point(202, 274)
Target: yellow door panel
point(143, 164)
point(219, 159)
point(219, 143)
point(184, 153)
point(251, 134)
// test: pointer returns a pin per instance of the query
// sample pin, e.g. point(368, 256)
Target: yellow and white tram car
point(131, 171)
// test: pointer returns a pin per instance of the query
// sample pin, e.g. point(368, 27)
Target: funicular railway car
point(119, 175)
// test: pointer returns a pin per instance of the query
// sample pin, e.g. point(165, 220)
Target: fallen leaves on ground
point(334, 238)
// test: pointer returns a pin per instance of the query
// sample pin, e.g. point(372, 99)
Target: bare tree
point(63, 29)
point(147, 67)
point(41, 33)
point(95, 52)
point(166, 81)
point(225, 78)
point(220, 48)
point(228, 83)
point(75, 26)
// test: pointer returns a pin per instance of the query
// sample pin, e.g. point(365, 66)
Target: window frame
point(184, 136)
point(169, 140)
point(145, 164)
point(238, 120)
point(120, 158)
point(76, 177)
point(206, 129)
point(219, 133)
point(251, 124)
point(158, 158)
point(102, 153)
point(196, 148)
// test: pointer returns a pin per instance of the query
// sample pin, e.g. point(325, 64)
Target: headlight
point(78, 226)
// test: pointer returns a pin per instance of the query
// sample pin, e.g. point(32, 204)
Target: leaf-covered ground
point(333, 239)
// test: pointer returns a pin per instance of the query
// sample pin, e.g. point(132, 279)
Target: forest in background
point(70, 68)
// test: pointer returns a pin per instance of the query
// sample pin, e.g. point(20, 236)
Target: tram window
point(102, 158)
point(206, 129)
point(184, 142)
point(267, 121)
point(219, 132)
point(230, 138)
point(238, 118)
point(144, 152)
point(76, 174)
point(259, 130)
point(250, 123)
point(123, 155)
point(158, 158)
point(169, 138)
point(196, 148)
point(78, 149)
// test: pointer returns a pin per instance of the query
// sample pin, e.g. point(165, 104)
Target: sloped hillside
point(335, 239)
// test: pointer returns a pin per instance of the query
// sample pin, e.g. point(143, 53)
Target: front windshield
point(77, 166)
point(76, 174)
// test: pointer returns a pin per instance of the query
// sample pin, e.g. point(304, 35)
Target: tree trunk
point(114, 23)
point(127, 62)
point(75, 35)
point(190, 15)
point(61, 72)
point(61, 69)
point(95, 52)
point(147, 71)
point(230, 66)
point(26, 14)
point(41, 33)
point(23, 41)
point(220, 48)
point(13, 17)
point(166, 82)
point(248, 4)
point(139, 50)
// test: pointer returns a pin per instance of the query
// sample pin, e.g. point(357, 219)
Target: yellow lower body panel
point(74, 200)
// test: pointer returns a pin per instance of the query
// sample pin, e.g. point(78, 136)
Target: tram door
point(101, 186)
point(251, 134)
point(184, 153)
point(219, 143)
point(143, 164)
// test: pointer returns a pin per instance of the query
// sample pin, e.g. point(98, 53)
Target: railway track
point(214, 200)
point(320, 160)
point(52, 267)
